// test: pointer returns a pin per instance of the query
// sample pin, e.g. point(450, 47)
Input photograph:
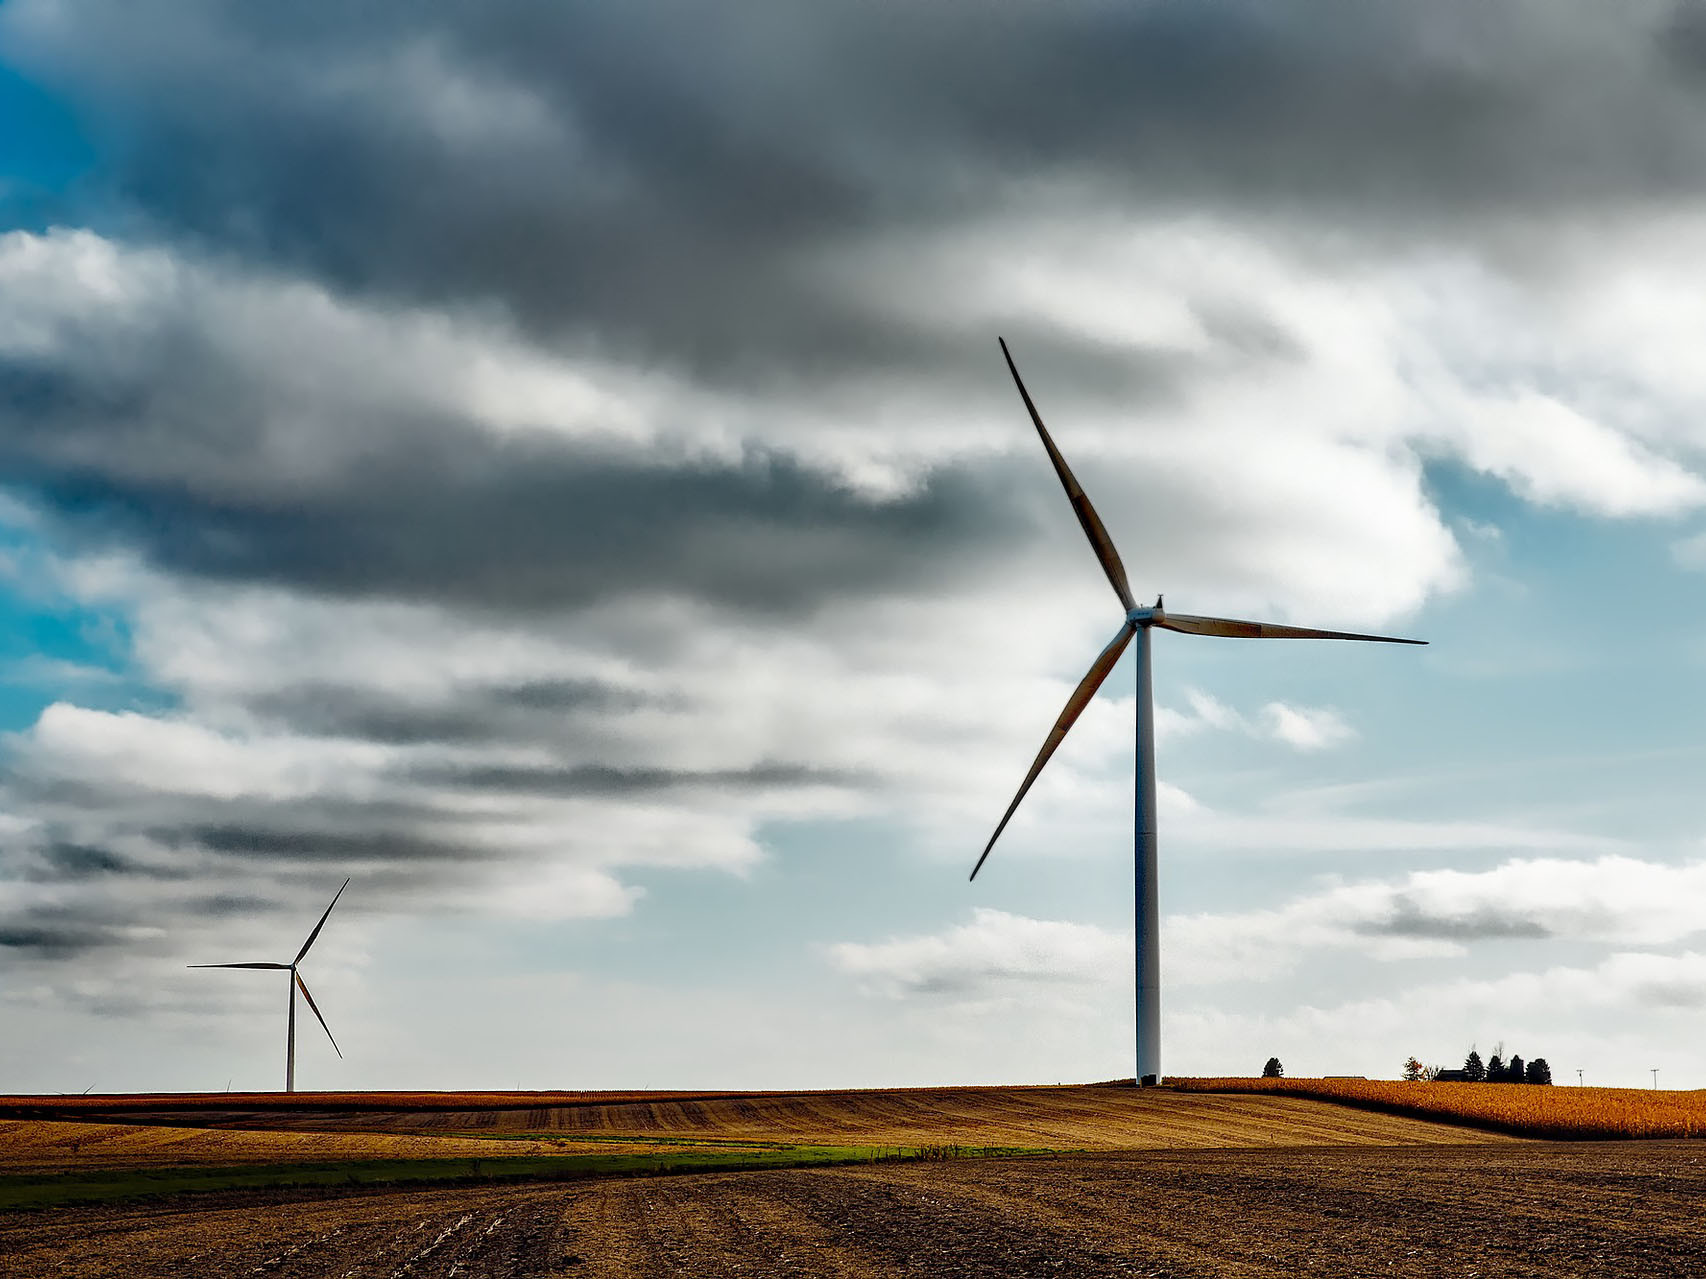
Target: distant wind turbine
point(1136, 626)
point(295, 981)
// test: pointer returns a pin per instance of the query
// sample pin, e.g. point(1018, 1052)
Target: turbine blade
point(1074, 708)
point(286, 966)
point(323, 1026)
point(1232, 628)
point(318, 926)
point(1100, 542)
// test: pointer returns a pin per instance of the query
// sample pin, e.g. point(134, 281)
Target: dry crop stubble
point(1558, 1112)
point(199, 1128)
point(1059, 1117)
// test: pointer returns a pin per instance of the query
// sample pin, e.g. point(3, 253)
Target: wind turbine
point(1137, 625)
point(295, 981)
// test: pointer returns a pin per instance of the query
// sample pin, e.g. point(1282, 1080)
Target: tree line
point(1497, 1069)
point(1501, 1071)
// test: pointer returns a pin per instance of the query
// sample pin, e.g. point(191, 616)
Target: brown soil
point(1076, 1117)
point(1513, 1209)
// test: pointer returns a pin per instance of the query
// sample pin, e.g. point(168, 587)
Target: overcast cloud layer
point(524, 457)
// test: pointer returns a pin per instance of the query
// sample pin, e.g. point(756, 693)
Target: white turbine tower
point(1136, 626)
point(295, 981)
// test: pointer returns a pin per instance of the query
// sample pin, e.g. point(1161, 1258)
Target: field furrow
point(1517, 1210)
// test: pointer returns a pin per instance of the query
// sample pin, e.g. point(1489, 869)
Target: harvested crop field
point(42, 1145)
point(1529, 1110)
point(1512, 1209)
point(1093, 1117)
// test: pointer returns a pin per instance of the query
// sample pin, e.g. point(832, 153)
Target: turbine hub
point(1147, 616)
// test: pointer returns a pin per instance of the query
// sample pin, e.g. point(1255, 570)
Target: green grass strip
point(593, 1139)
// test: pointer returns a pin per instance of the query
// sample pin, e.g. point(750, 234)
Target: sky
point(553, 466)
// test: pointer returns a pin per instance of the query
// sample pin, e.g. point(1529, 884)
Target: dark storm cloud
point(1676, 992)
point(61, 932)
point(1410, 918)
point(155, 435)
point(228, 906)
point(1683, 41)
point(292, 837)
point(600, 779)
point(68, 861)
point(401, 827)
point(541, 529)
point(51, 941)
point(663, 182)
point(662, 174)
point(529, 709)
point(79, 861)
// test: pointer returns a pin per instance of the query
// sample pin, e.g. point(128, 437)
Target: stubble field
point(1099, 1117)
point(1528, 1110)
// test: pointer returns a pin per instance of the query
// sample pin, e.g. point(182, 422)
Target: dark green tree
point(1514, 1073)
point(1539, 1072)
point(1495, 1069)
point(1273, 1070)
point(1473, 1070)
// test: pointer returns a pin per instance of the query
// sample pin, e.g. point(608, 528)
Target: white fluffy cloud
point(1305, 728)
point(1424, 914)
point(1613, 1019)
point(976, 960)
point(1437, 913)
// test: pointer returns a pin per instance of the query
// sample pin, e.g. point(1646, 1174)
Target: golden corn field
point(1529, 1110)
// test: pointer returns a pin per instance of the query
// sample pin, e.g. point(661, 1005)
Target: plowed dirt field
point(1517, 1209)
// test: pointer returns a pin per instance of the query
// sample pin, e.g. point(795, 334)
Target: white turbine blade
point(237, 966)
point(319, 926)
point(1100, 542)
point(323, 1026)
point(1074, 708)
point(1232, 628)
